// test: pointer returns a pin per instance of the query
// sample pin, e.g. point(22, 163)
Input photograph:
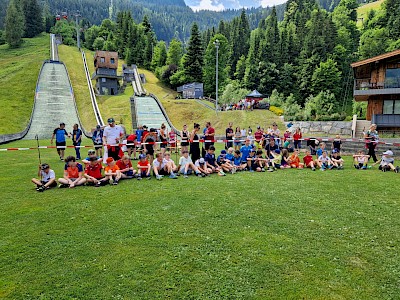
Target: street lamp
point(216, 43)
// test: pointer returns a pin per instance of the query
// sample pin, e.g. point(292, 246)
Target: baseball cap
point(223, 151)
point(277, 151)
point(201, 160)
point(110, 120)
point(98, 127)
point(334, 151)
point(44, 166)
point(109, 160)
point(142, 156)
point(388, 152)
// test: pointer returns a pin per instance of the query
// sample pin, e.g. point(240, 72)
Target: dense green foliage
point(15, 24)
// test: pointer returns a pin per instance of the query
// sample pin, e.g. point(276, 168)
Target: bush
point(360, 109)
point(276, 99)
point(276, 110)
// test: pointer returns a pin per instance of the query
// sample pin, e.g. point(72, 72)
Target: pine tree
point(33, 18)
point(193, 60)
point(240, 40)
point(14, 25)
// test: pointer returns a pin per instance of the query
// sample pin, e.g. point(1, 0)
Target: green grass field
point(362, 11)
point(19, 70)
point(182, 111)
point(291, 234)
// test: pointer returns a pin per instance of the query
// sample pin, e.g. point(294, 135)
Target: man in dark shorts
point(60, 133)
point(112, 137)
point(229, 136)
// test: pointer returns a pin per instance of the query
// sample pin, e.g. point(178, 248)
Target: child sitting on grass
point(144, 167)
point(308, 160)
point(237, 161)
point(294, 160)
point(211, 162)
point(285, 163)
point(202, 166)
point(275, 162)
point(337, 160)
point(186, 165)
point(321, 149)
point(93, 173)
point(91, 153)
point(386, 163)
point(225, 163)
point(126, 168)
point(73, 174)
point(113, 174)
point(261, 162)
point(360, 160)
point(324, 162)
point(47, 178)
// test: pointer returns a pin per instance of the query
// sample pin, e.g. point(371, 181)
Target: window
point(112, 60)
point(391, 107)
point(102, 59)
point(104, 80)
point(392, 79)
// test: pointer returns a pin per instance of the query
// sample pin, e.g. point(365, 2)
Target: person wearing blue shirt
point(60, 133)
point(209, 159)
point(97, 138)
point(139, 133)
point(321, 149)
point(245, 150)
point(76, 140)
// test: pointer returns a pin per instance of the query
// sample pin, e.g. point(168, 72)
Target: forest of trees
point(301, 62)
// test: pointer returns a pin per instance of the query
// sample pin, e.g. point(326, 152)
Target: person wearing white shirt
point(186, 165)
point(112, 138)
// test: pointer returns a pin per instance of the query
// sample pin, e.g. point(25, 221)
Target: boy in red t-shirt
point(93, 173)
point(125, 166)
point(308, 160)
point(113, 174)
point(144, 167)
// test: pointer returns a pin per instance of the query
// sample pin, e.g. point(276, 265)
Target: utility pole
point(216, 43)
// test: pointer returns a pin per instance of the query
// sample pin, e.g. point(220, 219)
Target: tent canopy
point(254, 94)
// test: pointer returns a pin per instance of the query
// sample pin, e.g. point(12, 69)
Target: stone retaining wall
point(326, 127)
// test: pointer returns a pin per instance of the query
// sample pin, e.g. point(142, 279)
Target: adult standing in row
point(229, 136)
point(97, 138)
point(371, 140)
point(184, 139)
point(59, 133)
point(76, 140)
point(112, 137)
point(209, 136)
point(194, 143)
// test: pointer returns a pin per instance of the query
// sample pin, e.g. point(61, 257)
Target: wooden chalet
point(377, 81)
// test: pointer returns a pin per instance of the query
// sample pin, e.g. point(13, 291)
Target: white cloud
point(265, 3)
point(208, 5)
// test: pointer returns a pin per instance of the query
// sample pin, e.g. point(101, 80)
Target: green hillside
point(363, 10)
point(19, 70)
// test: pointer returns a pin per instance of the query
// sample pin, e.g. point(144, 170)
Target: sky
point(219, 5)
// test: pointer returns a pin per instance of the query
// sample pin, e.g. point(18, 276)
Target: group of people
point(261, 152)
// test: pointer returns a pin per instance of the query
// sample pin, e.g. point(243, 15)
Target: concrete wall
point(327, 128)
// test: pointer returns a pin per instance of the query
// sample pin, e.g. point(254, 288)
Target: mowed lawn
point(19, 71)
point(291, 234)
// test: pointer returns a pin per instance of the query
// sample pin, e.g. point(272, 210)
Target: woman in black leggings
point(371, 140)
point(194, 143)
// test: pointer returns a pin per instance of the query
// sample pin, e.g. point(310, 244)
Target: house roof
point(376, 58)
point(255, 94)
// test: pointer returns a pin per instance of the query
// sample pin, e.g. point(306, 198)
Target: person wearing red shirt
point(209, 136)
point(144, 167)
point(258, 136)
point(297, 136)
point(125, 167)
point(309, 161)
point(131, 145)
point(93, 172)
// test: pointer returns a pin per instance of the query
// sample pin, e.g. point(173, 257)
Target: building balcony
point(365, 87)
